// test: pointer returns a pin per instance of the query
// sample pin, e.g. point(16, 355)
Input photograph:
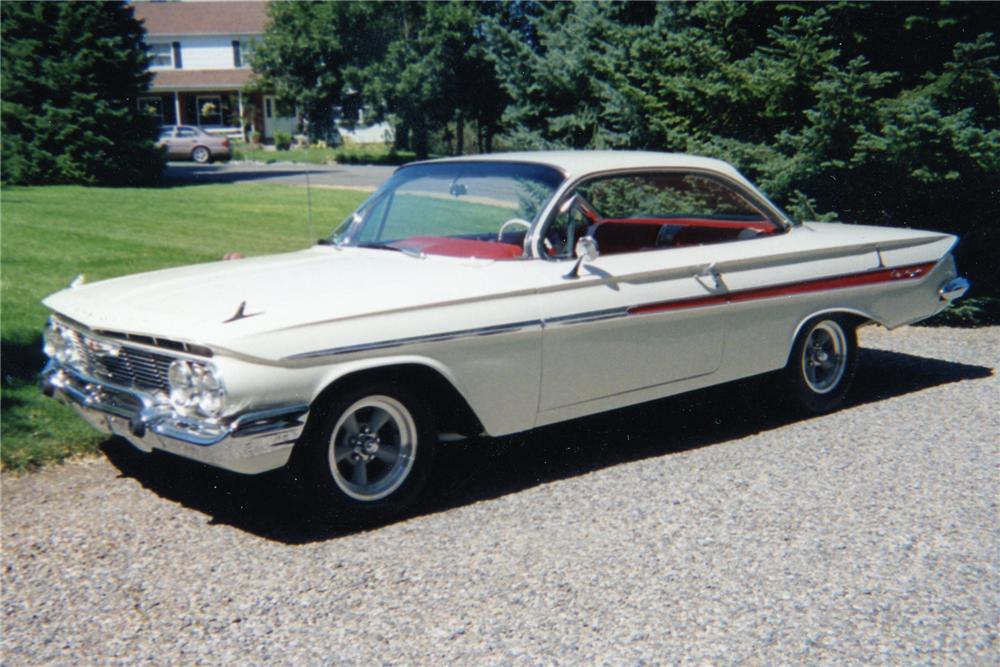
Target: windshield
point(461, 209)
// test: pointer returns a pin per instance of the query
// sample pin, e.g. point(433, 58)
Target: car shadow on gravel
point(480, 469)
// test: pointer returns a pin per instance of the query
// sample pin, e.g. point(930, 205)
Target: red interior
point(615, 236)
point(451, 247)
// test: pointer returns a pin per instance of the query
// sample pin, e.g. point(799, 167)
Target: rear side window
point(637, 212)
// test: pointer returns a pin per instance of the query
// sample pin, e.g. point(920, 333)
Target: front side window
point(636, 212)
point(463, 209)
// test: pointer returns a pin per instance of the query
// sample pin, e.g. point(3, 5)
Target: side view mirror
point(586, 249)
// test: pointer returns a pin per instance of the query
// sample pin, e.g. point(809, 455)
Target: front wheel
point(822, 364)
point(369, 455)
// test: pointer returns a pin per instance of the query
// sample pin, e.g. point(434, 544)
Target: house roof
point(202, 18)
point(200, 79)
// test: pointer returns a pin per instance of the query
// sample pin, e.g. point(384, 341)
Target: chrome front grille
point(124, 366)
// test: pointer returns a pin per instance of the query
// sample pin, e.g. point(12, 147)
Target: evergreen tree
point(72, 74)
point(884, 113)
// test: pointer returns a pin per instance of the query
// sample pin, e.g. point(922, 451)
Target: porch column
point(177, 108)
point(239, 103)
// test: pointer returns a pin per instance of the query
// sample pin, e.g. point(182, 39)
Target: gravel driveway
point(680, 532)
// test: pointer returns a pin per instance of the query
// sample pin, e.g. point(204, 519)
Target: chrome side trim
point(592, 316)
point(413, 340)
point(575, 318)
point(954, 289)
point(710, 299)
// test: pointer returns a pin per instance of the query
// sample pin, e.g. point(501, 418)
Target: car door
point(166, 138)
point(651, 310)
point(184, 142)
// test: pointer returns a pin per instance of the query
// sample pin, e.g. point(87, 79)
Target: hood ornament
point(241, 314)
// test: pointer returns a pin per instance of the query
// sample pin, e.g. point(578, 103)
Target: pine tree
point(72, 75)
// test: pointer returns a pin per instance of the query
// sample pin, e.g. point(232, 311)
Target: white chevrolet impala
point(484, 295)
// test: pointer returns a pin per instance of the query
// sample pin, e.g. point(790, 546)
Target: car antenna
point(309, 217)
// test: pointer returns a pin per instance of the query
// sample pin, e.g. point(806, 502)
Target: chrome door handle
point(709, 271)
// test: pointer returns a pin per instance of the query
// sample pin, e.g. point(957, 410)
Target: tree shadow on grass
point(482, 469)
point(22, 361)
point(21, 365)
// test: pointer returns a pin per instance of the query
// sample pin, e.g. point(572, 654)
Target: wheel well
point(451, 411)
point(850, 318)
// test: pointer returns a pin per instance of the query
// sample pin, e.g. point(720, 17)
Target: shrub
point(282, 141)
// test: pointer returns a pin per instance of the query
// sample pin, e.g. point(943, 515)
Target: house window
point(152, 106)
point(241, 53)
point(162, 55)
point(176, 47)
point(209, 110)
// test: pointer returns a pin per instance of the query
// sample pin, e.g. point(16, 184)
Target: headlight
point(60, 344)
point(195, 387)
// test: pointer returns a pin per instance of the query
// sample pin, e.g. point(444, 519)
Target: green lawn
point(51, 234)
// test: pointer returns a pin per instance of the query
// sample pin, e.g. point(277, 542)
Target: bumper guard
point(252, 442)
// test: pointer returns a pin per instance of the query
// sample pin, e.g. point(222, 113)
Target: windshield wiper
point(379, 246)
point(409, 252)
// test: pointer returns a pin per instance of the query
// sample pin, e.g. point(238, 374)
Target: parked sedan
point(186, 142)
point(484, 295)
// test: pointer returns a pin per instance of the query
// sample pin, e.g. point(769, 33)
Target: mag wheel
point(822, 364)
point(370, 454)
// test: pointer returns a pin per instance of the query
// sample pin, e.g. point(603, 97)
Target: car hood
point(217, 302)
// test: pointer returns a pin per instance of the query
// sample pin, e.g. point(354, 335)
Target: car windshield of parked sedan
point(461, 209)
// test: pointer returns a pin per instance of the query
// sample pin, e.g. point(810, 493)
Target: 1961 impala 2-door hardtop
point(488, 294)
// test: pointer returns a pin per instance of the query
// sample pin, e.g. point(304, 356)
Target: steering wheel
point(511, 223)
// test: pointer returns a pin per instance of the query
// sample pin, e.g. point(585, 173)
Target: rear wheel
point(822, 364)
point(369, 455)
point(201, 155)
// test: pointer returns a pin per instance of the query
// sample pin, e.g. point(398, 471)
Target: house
point(200, 67)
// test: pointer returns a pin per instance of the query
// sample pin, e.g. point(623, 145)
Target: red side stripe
point(820, 285)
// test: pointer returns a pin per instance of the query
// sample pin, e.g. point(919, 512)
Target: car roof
point(576, 163)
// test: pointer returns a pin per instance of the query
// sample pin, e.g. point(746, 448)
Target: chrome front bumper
point(252, 442)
